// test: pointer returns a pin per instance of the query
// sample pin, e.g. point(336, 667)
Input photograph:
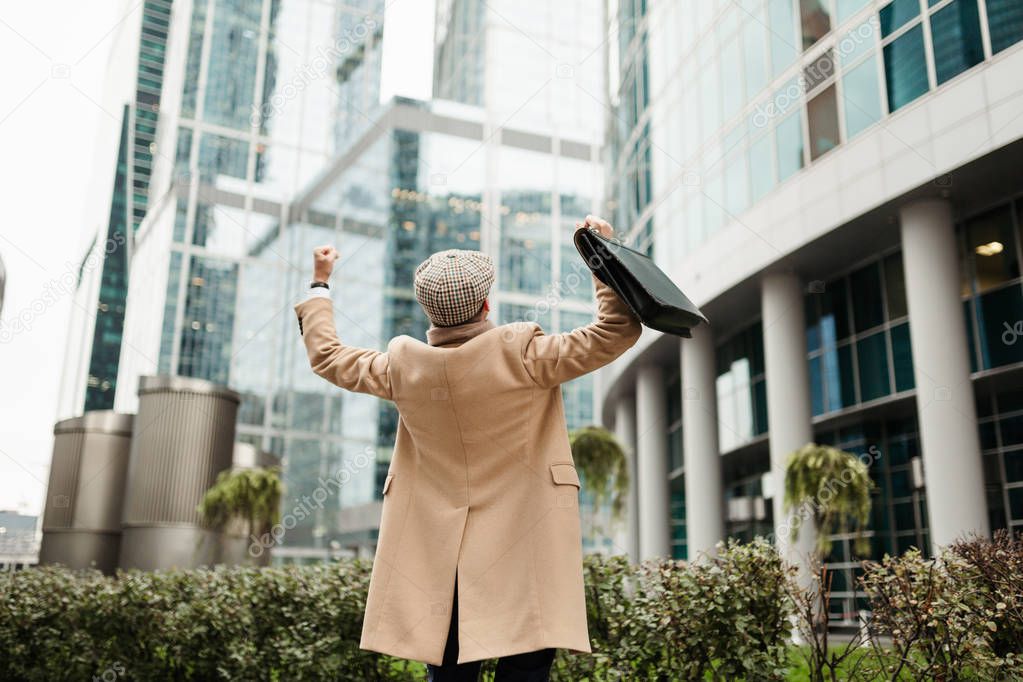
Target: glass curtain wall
point(696, 131)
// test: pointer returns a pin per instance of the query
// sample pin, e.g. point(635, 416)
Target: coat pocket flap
point(387, 483)
point(565, 474)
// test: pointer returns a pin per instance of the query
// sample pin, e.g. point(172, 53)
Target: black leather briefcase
point(644, 287)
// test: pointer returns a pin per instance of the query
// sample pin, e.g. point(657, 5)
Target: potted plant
point(243, 505)
point(832, 487)
point(601, 462)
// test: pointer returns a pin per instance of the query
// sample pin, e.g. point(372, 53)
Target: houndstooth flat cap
point(452, 285)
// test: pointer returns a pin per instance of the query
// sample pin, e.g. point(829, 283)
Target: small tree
point(602, 464)
point(835, 487)
point(249, 496)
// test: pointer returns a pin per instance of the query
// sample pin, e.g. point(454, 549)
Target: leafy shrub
point(723, 617)
point(660, 620)
point(996, 569)
point(227, 623)
point(942, 617)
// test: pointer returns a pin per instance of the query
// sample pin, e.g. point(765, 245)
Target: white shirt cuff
point(317, 292)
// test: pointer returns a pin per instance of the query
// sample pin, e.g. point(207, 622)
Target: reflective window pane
point(822, 115)
point(578, 393)
point(834, 314)
point(761, 166)
point(170, 305)
point(895, 286)
point(789, 136)
point(231, 72)
point(219, 155)
point(754, 46)
point(846, 8)
point(872, 357)
point(897, 14)
point(815, 20)
point(992, 249)
point(1005, 23)
point(813, 324)
point(526, 178)
point(866, 297)
point(902, 358)
point(856, 42)
point(840, 383)
point(816, 386)
point(783, 34)
point(759, 406)
point(999, 317)
point(955, 31)
point(905, 68)
point(861, 98)
point(732, 90)
point(736, 185)
point(206, 334)
point(194, 59)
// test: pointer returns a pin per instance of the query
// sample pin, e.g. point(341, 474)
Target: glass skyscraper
point(272, 140)
point(94, 343)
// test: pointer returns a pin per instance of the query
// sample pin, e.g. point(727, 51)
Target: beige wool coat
point(481, 484)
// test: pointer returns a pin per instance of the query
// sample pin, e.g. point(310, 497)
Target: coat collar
point(460, 333)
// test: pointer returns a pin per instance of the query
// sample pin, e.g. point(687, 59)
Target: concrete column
point(705, 524)
point(652, 463)
point(625, 431)
point(788, 399)
point(946, 413)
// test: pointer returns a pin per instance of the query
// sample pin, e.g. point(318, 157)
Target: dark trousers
point(534, 666)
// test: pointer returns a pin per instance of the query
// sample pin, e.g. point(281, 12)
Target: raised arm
point(556, 358)
point(356, 369)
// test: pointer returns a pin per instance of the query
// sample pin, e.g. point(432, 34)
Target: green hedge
point(723, 619)
point(301, 623)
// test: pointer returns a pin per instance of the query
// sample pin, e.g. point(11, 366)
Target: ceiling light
point(989, 249)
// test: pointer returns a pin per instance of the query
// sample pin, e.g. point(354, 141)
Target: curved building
point(836, 183)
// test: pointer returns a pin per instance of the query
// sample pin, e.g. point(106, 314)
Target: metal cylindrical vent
point(82, 514)
point(184, 437)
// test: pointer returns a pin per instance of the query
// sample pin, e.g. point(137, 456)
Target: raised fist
point(323, 262)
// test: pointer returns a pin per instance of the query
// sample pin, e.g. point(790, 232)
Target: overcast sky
point(52, 73)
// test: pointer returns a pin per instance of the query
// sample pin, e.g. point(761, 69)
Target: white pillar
point(705, 524)
point(788, 400)
point(953, 470)
point(652, 463)
point(625, 431)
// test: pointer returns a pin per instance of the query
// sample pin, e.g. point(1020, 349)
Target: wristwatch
point(315, 285)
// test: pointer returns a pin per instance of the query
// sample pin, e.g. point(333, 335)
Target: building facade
point(258, 99)
point(132, 100)
point(272, 140)
point(19, 540)
point(834, 183)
